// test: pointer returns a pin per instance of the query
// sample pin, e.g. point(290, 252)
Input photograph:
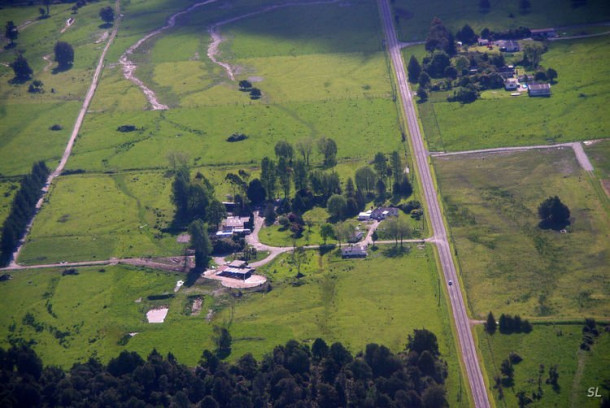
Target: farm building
point(364, 216)
point(508, 46)
point(543, 33)
point(237, 270)
point(234, 226)
point(511, 84)
point(353, 252)
point(381, 213)
point(539, 89)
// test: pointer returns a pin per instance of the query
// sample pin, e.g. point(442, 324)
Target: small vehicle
point(450, 282)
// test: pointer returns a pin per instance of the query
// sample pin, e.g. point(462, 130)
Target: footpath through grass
point(547, 346)
point(508, 264)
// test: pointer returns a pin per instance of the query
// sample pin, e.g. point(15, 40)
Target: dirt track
point(75, 130)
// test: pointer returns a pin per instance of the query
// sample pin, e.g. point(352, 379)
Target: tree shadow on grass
point(105, 26)
point(396, 251)
point(555, 226)
point(324, 249)
point(192, 276)
point(61, 68)
point(19, 81)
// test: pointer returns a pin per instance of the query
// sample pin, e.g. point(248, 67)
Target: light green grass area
point(99, 217)
point(356, 302)
point(415, 23)
point(25, 136)
point(25, 118)
point(355, 125)
point(549, 345)
point(573, 112)
point(508, 264)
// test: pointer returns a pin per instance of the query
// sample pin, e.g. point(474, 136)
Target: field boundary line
point(77, 125)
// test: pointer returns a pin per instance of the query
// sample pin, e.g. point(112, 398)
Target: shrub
point(126, 128)
point(237, 137)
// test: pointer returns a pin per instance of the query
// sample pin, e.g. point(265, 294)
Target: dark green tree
point(439, 38)
point(413, 70)
point(553, 214)
point(551, 74)
point(336, 206)
point(268, 177)
point(245, 86)
point(107, 15)
point(285, 150)
point(484, 5)
point(284, 174)
point(422, 340)
point(328, 148)
point(64, 54)
point(200, 241)
point(256, 192)
point(365, 179)
point(490, 324)
point(424, 80)
point(21, 68)
point(223, 341)
point(466, 35)
point(326, 231)
point(11, 32)
point(422, 94)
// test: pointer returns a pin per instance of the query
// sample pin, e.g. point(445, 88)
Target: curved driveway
point(467, 346)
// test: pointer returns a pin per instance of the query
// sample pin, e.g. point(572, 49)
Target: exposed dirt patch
point(196, 308)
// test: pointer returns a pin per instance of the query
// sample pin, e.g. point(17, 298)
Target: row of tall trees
point(23, 209)
point(292, 375)
point(194, 199)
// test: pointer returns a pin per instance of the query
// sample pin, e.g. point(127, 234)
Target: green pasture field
point(551, 344)
point(25, 137)
point(415, 16)
point(8, 189)
point(509, 265)
point(355, 125)
point(102, 216)
point(575, 111)
point(25, 118)
point(356, 302)
point(379, 300)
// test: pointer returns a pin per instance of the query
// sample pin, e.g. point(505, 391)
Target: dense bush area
point(292, 375)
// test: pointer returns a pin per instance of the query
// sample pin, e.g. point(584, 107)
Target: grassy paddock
point(99, 217)
point(379, 300)
point(355, 126)
point(573, 112)
point(549, 345)
point(508, 264)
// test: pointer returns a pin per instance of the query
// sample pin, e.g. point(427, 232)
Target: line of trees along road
point(292, 375)
point(23, 209)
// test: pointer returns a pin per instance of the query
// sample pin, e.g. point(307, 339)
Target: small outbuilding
point(539, 89)
point(511, 84)
point(353, 252)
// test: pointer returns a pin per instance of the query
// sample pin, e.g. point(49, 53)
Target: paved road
point(75, 130)
point(581, 156)
point(462, 323)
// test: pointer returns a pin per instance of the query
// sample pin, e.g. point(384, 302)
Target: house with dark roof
point(381, 213)
point(237, 270)
point(543, 33)
point(508, 46)
point(536, 89)
point(353, 252)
